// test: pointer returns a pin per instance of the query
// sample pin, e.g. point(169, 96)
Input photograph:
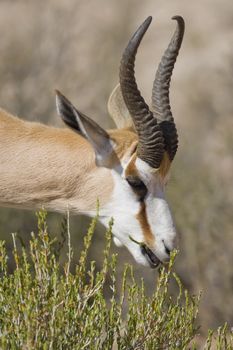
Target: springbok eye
point(138, 186)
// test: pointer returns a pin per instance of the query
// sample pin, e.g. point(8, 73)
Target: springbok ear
point(118, 110)
point(97, 136)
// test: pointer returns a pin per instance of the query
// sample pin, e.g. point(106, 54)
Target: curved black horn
point(151, 143)
point(160, 93)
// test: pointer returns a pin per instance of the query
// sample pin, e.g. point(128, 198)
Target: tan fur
point(124, 139)
point(165, 165)
point(55, 168)
point(51, 167)
point(131, 169)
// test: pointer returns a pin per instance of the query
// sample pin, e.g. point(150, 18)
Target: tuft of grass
point(46, 306)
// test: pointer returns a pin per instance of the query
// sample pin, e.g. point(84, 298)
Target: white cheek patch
point(157, 210)
point(124, 208)
point(123, 200)
point(159, 215)
point(154, 226)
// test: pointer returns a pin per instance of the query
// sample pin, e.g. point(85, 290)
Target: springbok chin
point(126, 168)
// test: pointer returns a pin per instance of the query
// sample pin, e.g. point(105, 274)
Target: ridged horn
point(160, 93)
point(151, 144)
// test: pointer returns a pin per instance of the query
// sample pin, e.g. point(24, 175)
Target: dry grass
point(43, 304)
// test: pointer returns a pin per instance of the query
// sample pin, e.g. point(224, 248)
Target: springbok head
point(136, 156)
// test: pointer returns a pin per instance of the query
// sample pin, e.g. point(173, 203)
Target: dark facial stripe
point(145, 226)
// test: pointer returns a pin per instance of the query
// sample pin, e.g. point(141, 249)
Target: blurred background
point(76, 46)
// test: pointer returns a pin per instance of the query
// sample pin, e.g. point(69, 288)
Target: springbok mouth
point(150, 256)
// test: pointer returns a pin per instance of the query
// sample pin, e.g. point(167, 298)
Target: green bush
point(44, 305)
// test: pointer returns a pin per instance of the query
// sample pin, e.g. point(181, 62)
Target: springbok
point(125, 168)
